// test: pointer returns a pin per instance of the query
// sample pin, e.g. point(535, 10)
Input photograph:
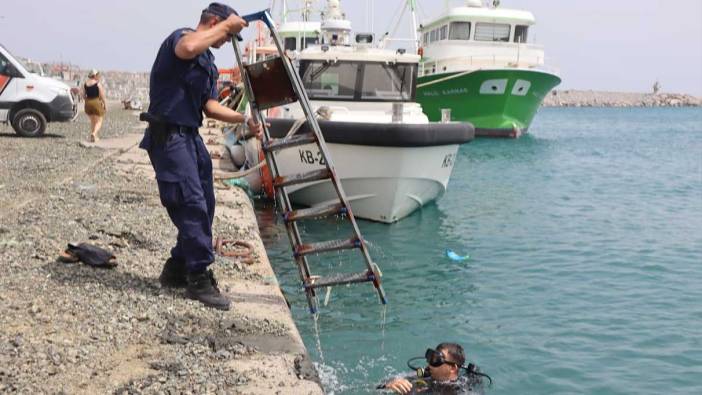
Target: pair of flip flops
point(88, 254)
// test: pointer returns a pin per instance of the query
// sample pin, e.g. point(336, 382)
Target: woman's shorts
point(95, 107)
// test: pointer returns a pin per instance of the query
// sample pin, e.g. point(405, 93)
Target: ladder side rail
point(281, 194)
point(311, 119)
point(304, 102)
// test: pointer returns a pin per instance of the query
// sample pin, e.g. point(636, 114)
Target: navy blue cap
point(221, 10)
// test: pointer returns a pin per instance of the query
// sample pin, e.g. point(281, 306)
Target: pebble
point(77, 322)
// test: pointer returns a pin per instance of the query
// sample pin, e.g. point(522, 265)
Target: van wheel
point(29, 122)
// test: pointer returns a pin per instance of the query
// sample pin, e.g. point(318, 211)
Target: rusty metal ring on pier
point(245, 256)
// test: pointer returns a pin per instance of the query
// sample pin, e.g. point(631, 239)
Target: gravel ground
point(70, 328)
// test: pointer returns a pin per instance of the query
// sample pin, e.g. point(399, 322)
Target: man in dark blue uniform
point(182, 87)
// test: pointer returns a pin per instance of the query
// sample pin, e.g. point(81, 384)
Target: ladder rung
point(324, 246)
point(340, 278)
point(313, 212)
point(293, 141)
point(294, 179)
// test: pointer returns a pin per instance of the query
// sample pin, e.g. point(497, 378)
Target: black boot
point(174, 274)
point(202, 286)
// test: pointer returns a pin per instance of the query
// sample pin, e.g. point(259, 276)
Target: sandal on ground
point(67, 256)
point(90, 255)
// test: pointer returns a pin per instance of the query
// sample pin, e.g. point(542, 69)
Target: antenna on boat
point(386, 37)
point(306, 10)
point(368, 15)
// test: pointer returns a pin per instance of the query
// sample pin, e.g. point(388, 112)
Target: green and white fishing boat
point(478, 65)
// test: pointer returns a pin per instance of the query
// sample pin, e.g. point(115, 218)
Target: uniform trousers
point(184, 175)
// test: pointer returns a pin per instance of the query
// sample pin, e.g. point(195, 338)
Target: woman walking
point(95, 108)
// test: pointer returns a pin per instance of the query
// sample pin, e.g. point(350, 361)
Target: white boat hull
point(382, 184)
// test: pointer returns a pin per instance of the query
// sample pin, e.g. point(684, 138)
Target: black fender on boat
point(383, 134)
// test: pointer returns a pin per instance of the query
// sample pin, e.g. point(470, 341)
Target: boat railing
point(485, 61)
point(383, 43)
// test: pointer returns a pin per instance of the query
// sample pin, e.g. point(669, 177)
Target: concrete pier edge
point(274, 359)
point(260, 300)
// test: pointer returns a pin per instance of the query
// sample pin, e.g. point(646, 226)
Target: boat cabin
point(297, 36)
point(493, 25)
point(478, 37)
point(358, 74)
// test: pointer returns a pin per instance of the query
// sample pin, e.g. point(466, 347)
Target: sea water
point(585, 269)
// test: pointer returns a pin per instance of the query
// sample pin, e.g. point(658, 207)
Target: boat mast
point(284, 12)
point(413, 9)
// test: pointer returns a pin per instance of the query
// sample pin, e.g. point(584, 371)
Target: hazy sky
point(622, 45)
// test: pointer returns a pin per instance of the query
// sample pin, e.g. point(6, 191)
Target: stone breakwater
point(70, 328)
point(578, 98)
point(120, 85)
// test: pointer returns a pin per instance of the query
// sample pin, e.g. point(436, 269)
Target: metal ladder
point(264, 91)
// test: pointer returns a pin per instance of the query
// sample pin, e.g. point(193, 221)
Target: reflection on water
point(584, 274)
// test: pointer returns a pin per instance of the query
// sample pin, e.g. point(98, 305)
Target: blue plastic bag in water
point(455, 257)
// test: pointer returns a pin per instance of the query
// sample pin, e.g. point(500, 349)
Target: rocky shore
point(71, 328)
point(576, 98)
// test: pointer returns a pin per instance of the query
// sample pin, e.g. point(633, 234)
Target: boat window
point(444, 32)
point(325, 80)
point(492, 32)
point(426, 38)
point(311, 41)
point(432, 35)
point(388, 82)
point(290, 44)
point(459, 31)
point(520, 33)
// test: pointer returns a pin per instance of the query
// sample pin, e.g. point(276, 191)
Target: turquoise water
point(585, 274)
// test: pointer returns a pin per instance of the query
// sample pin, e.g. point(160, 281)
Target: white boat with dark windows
point(390, 158)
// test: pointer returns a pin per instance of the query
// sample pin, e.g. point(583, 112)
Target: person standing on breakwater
point(95, 107)
point(182, 86)
point(442, 374)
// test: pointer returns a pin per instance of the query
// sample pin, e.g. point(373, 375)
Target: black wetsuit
point(464, 385)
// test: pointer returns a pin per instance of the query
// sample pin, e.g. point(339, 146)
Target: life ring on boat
point(273, 112)
point(266, 177)
point(225, 92)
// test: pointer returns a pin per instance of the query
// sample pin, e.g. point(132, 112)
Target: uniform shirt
point(178, 88)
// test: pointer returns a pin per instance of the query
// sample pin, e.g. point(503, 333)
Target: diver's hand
point(399, 386)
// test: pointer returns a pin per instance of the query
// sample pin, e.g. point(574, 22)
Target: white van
point(28, 101)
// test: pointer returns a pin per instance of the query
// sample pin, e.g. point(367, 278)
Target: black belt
point(160, 129)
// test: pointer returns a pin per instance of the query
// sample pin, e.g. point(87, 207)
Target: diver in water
point(445, 374)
